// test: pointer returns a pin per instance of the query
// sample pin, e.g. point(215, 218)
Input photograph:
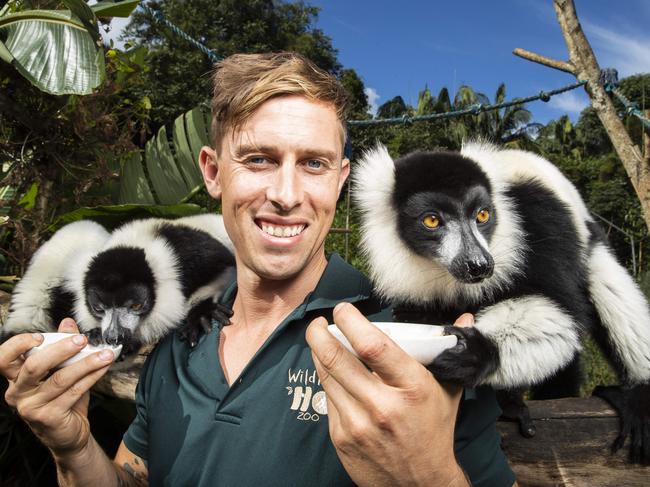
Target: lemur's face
point(120, 310)
point(445, 213)
point(119, 292)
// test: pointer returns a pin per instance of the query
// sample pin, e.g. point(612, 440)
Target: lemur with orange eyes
point(503, 234)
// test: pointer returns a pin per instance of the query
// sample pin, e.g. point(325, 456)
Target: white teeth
point(282, 231)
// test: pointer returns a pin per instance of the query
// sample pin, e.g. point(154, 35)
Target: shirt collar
point(339, 282)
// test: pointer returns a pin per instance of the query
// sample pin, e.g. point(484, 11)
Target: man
point(245, 406)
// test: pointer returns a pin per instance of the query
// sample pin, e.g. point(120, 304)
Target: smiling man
point(272, 398)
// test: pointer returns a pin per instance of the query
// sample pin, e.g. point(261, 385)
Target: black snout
point(480, 268)
point(116, 335)
point(472, 269)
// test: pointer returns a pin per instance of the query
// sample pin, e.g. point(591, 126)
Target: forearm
point(534, 336)
point(91, 466)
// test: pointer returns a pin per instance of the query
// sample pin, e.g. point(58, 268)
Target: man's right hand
point(54, 405)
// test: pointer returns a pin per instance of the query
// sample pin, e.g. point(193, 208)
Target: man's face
point(279, 178)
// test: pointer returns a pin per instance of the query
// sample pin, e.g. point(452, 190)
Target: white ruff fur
point(516, 166)
point(400, 273)
point(31, 297)
point(170, 305)
point(624, 312)
point(534, 336)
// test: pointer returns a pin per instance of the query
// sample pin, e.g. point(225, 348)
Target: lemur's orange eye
point(136, 306)
point(431, 221)
point(483, 216)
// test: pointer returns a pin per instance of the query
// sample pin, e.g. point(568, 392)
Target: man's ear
point(345, 172)
point(210, 169)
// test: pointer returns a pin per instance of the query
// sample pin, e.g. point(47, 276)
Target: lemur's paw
point(222, 314)
point(469, 362)
point(633, 407)
point(199, 320)
point(513, 408)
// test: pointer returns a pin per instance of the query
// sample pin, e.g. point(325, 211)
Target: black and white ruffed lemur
point(130, 287)
point(503, 234)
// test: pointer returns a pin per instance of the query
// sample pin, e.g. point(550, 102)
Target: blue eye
point(314, 164)
point(257, 160)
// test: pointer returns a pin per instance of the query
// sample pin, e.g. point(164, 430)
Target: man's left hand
point(392, 424)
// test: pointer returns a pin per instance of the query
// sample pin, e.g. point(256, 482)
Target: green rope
point(609, 80)
point(160, 18)
point(631, 108)
point(471, 110)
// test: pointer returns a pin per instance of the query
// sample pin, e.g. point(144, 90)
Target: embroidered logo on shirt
point(308, 400)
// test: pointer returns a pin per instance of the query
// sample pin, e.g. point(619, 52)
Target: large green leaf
point(115, 9)
point(172, 167)
point(53, 50)
point(113, 216)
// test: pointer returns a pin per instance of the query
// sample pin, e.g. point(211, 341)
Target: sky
point(399, 47)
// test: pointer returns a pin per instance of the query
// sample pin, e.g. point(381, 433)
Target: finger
point(75, 392)
point(11, 353)
point(38, 365)
point(336, 393)
point(465, 320)
point(68, 325)
point(375, 348)
point(337, 363)
point(62, 381)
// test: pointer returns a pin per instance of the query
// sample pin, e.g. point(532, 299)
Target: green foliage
point(58, 51)
point(395, 107)
point(68, 146)
point(357, 99)
point(179, 76)
point(113, 216)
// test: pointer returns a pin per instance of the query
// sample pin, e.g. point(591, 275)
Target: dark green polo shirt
point(270, 427)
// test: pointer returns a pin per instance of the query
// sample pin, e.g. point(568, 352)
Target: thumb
point(68, 325)
point(465, 320)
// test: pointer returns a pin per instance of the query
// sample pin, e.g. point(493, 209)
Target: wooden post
point(584, 66)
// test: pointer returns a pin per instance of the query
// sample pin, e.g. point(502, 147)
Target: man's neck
point(264, 303)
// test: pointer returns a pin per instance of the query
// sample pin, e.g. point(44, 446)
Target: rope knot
point(608, 78)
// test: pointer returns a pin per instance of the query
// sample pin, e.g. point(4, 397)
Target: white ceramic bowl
point(422, 342)
point(51, 338)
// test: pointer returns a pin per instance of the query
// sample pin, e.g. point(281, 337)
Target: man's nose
point(286, 190)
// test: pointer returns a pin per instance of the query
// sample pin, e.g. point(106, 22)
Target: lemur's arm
point(514, 343)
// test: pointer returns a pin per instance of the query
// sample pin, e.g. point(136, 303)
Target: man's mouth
point(282, 231)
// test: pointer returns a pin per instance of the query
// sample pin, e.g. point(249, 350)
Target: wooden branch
point(646, 140)
point(571, 447)
point(586, 68)
point(546, 61)
point(121, 383)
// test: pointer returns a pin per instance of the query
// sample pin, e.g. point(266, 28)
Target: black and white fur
point(171, 270)
point(41, 297)
point(537, 276)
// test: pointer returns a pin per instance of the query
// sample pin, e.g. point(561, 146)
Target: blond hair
point(243, 82)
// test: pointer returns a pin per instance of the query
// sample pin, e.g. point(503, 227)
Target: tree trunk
point(583, 65)
point(646, 141)
point(586, 68)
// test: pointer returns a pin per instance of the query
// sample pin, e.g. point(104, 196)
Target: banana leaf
point(113, 216)
point(114, 9)
point(53, 50)
point(171, 166)
point(59, 51)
